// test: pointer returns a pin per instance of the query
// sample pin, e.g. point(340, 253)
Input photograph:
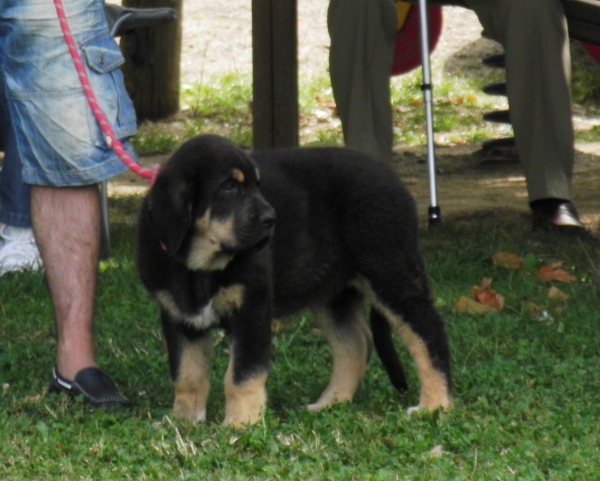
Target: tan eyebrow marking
point(238, 176)
point(257, 174)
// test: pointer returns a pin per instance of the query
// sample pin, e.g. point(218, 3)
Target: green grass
point(458, 104)
point(526, 386)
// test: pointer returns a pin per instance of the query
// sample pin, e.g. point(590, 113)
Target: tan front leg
point(244, 402)
point(193, 381)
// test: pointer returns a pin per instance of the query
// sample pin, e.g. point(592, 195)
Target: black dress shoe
point(97, 388)
point(555, 214)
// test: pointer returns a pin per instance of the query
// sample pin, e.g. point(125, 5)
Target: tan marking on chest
point(228, 299)
point(205, 318)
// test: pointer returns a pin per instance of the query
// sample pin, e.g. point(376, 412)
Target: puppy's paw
point(245, 402)
point(443, 408)
point(330, 397)
point(242, 420)
point(190, 411)
point(315, 407)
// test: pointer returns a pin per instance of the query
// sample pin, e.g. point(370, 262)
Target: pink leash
point(107, 130)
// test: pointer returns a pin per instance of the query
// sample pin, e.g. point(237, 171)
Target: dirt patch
point(467, 182)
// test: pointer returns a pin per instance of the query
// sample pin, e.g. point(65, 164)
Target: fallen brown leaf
point(469, 306)
point(555, 273)
point(507, 260)
point(486, 296)
point(556, 295)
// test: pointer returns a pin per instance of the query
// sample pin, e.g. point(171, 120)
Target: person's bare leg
point(66, 225)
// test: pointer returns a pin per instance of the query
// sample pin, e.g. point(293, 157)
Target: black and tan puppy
point(213, 255)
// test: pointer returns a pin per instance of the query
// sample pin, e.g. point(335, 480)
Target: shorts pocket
point(102, 59)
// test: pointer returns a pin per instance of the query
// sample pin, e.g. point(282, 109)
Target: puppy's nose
point(267, 218)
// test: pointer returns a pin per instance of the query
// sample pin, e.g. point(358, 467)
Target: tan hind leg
point(350, 339)
point(435, 388)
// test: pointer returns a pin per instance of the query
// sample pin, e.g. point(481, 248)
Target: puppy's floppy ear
point(169, 209)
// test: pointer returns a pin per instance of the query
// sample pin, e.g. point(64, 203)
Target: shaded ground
point(465, 184)
point(217, 39)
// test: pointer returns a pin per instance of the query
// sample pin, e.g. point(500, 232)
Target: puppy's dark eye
point(229, 186)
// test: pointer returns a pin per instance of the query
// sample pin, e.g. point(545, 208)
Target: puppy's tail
point(384, 345)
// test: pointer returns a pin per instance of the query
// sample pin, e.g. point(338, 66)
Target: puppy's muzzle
point(266, 222)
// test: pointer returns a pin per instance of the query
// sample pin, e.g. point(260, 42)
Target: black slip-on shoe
point(97, 388)
point(555, 214)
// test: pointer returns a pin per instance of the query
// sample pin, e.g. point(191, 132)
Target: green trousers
point(363, 34)
point(538, 76)
point(535, 39)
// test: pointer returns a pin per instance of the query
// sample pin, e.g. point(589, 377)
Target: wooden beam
point(275, 73)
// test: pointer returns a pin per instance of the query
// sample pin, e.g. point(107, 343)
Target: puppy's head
point(205, 206)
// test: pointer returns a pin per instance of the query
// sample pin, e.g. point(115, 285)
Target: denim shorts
point(58, 139)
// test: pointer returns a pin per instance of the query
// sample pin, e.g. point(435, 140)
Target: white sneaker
point(18, 250)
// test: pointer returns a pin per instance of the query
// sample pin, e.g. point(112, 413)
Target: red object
point(593, 50)
point(407, 53)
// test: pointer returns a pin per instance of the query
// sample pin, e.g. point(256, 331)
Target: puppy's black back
point(337, 210)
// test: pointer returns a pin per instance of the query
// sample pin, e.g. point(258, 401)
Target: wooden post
point(152, 63)
point(275, 73)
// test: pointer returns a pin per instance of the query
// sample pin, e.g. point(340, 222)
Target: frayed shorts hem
point(111, 167)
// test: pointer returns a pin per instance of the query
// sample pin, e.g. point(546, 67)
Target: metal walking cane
point(435, 213)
